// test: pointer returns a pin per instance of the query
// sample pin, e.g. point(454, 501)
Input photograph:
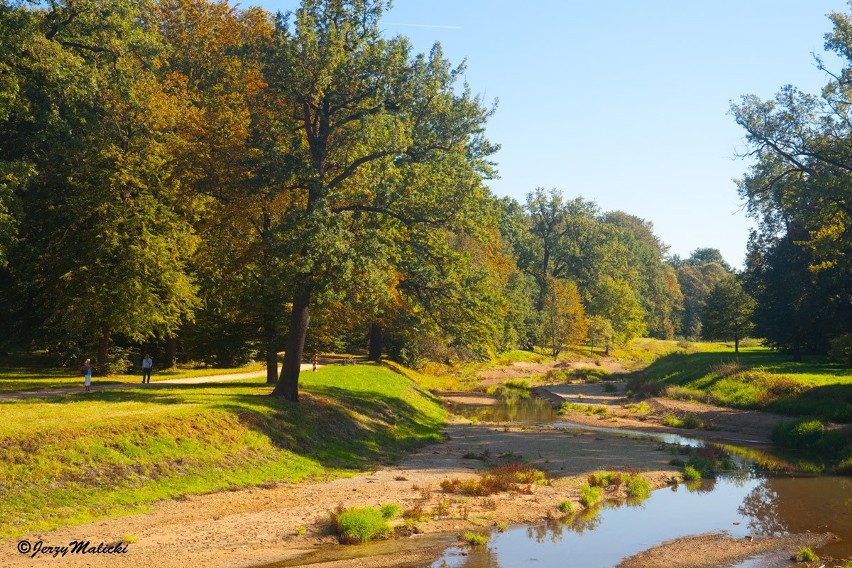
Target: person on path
point(316, 359)
point(87, 373)
point(147, 365)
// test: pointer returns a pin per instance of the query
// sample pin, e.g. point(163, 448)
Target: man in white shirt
point(147, 364)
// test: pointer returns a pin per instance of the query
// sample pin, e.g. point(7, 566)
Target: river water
point(749, 501)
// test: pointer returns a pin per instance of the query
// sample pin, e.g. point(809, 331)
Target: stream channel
point(751, 500)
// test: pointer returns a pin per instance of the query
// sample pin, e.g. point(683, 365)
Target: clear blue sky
point(625, 102)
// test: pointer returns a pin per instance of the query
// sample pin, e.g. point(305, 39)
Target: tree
point(366, 131)
point(799, 189)
point(727, 312)
point(600, 333)
point(106, 236)
point(564, 320)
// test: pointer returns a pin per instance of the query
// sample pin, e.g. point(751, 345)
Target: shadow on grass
point(828, 402)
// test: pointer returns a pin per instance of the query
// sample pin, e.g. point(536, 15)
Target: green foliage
point(607, 478)
point(509, 477)
point(691, 474)
point(590, 495)
point(727, 312)
point(805, 555)
point(563, 317)
point(565, 507)
point(360, 524)
point(688, 421)
point(474, 538)
point(391, 511)
point(637, 487)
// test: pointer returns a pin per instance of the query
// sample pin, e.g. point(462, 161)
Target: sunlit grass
point(72, 459)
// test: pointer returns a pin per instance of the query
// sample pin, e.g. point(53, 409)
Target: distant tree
point(727, 313)
point(705, 255)
point(695, 283)
point(563, 317)
point(600, 333)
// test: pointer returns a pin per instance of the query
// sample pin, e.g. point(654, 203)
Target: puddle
point(517, 410)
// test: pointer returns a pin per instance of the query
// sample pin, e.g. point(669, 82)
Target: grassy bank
point(72, 459)
point(756, 378)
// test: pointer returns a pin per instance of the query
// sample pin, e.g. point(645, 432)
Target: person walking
point(315, 361)
point(147, 365)
point(87, 374)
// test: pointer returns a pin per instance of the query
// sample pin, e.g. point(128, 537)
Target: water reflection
point(514, 409)
point(740, 505)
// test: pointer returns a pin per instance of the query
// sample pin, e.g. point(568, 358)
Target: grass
point(756, 378)
point(360, 524)
point(565, 507)
point(474, 538)
point(805, 555)
point(687, 421)
point(691, 474)
point(73, 459)
point(589, 495)
point(599, 410)
point(509, 477)
point(35, 372)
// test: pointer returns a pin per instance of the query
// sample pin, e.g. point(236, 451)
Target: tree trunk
point(270, 332)
point(288, 384)
point(103, 349)
point(375, 343)
point(736, 342)
point(171, 353)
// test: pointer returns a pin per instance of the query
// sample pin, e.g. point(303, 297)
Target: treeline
point(225, 183)
point(232, 182)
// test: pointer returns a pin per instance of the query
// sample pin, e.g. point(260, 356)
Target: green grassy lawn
point(756, 378)
point(71, 459)
point(28, 374)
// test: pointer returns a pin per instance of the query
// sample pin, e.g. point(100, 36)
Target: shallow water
point(742, 506)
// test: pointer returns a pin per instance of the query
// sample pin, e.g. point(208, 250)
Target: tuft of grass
point(606, 478)
point(691, 474)
point(474, 538)
point(391, 511)
point(637, 487)
point(566, 507)
point(805, 555)
point(590, 495)
point(360, 524)
point(129, 539)
point(688, 421)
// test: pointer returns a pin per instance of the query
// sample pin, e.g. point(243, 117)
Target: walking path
point(64, 391)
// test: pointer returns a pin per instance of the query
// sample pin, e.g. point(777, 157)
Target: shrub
point(689, 421)
point(590, 495)
point(566, 507)
point(360, 524)
point(474, 538)
point(638, 487)
point(606, 478)
point(691, 474)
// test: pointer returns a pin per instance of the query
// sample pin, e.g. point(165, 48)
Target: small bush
point(691, 474)
point(726, 368)
point(566, 507)
point(606, 478)
point(689, 421)
point(360, 524)
point(590, 495)
point(638, 487)
point(474, 538)
point(641, 408)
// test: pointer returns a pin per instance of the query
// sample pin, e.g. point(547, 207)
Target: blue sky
point(625, 102)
